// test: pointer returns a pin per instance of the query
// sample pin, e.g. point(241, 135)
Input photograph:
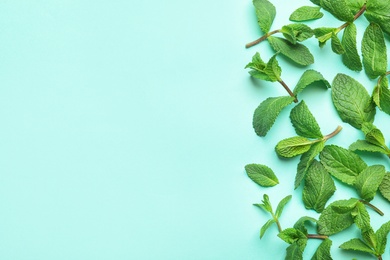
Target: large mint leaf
point(319, 187)
point(357, 245)
point(381, 235)
point(384, 187)
point(368, 181)
point(309, 77)
point(306, 13)
point(339, 9)
point(267, 112)
point(261, 174)
point(293, 146)
point(378, 11)
point(298, 53)
point(342, 163)
point(350, 99)
point(265, 12)
point(304, 122)
point(374, 51)
point(332, 222)
point(350, 57)
point(363, 145)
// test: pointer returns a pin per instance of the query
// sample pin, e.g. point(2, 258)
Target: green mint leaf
point(357, 245)
point(300, 224)
point(258, 66)
point(338, 9)
point(304, 122)
point(291, 235)
point(323, 251)
point(378, 12)
point(374, 51)
point(280, 207)
point(332, 222)
point(381, 235)
point(306, 160)
point(350, 99)
point(265, 227)
point(381, 95)
point(323, 34)
point(293, 146)
point(295, 250)
point(336, 45)
point(384, 187)
point(363, 145)
point(373, 135)
point(272, 69)
point(266, 205)
point(306, 13)
point(368, 181)
point(261, 174)
point(316, 2)
point(296, 32)
point(344, 206)
point(298, 53)
point(369, 237)
point(355, 5)
point(319, 187)
point(267, 112)
point(361, 216)
point(309, 77)
point(350, 57)
point(265, 12)
point(342, 163)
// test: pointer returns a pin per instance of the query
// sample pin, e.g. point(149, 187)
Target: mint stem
point(262, 38)
point(277, 222)
point(315, 236)
point(373, 207)
point(288, 90)
point(357, 15)
point(335, 132)
point(379, 257)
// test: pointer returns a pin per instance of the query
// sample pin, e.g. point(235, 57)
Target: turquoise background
point(126, 126)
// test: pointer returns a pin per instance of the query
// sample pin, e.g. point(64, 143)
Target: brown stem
point(315, 236)
point(262, 38)
point(335, 132)
point(381, 77)
point(357, 15)
point(379, 257)
point(288, 90)
point(373, 207)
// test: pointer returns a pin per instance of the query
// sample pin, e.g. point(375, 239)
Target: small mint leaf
point(261, 174)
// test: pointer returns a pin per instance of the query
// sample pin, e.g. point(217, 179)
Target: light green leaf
point(368, 181)
point(363, 145)
point(272, 69)
point(266, 205)
point(266, 226)
point(374, 51)
point(323, 34)
point(319, 187)
point(258, 66)
point(295, 250)
point(296, 32)
point(344, 206)
point(350, 57)
point(293, 146)
point(306, 160)
point(336, 45)
point(280, 207)
point(306, 13)
point(373, 135)
point(378, 11)
point(381, 235)
point(338, 9)
point(384, 187)
point(304, 122)
point(310, 77)
point(332, 222)
point(265, 12)
point(298, 53)
point(355, 5)
point(357, 245)
point(291, 235)
point(323, 251)
point(381, 95)
point(267, 112)
point(350, 99)
point(342, 163)
point(261, 174)
point(361, 216)
point(369, 237)
point(300, 224)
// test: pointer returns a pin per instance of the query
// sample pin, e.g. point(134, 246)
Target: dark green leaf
point(368, 181)
point(381, 235)
point(258, 67)
point(332, 222)
point(272, 69)
point(306, 13)
point(296, 32)
point(323, 34)
point(304, 122)
point(261, 174)
point(310, 77)
point(295, 250)
point(350, 57)
point(378, 11)
point(361, 216)
point(300, 224)
point(344, 206)
point(323, 251)
point(293, 146)
point(355, 5)
point(363, 145)
point(381, 95)
point(265, 227)
point(337, 47)
point(291, 235)
point(280, 207)
point(265, 12)
point(338, 9)
point(298, 53)
point(384, 187)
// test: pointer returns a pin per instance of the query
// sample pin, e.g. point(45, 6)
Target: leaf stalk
point(315, 236)
point(373, 207)
point(335, 132)
point(288, 90)
point(262, 38)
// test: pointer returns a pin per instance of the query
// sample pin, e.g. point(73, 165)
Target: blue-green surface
point(126, 125)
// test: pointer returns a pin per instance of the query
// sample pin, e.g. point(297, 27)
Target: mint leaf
point(296, 32)
point(332, 222)
point(344, 206)
point(265, 12)
point(323, 34)
point(369, 237)
point(266, 205)
point(262, 70)
point(361, 216)
point(336, 45)
point(363, 145)
point(350, 57)
point(298, 53)
point(291, 235)
point(265, 227)
point(281, 205)
point(342, 163)
point(373, 135)
point(306, 160)
point(368, 181)
point(350, 99)
point(316, 2)
point(323, 251)
point(300, 224)
point(374, 51)
point(338, 9)
point(304, 122)
point(378, 11)
point(381, 235)
point(267, 112)
point(357, 245)
point(293, 146)
point(384, 187)
point(306, 13)
point(381, 95)
point(295, 250)
point(310, 77)
point(272, 69)
point(355, 5)
point(261, 174)
point(319, 187)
